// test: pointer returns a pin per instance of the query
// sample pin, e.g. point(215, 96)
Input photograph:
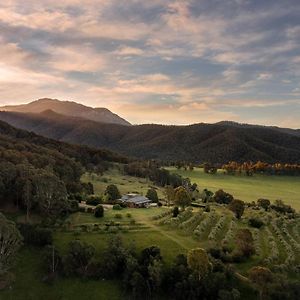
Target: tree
point(152, 195)
point(222, 197)
point(182, 197)
point(245, 242)
point(112, 192)
point(10, 241)
point(78, 258)
point(169, 194)
point(264, 203)
point(261, 277)
point(99, 211)
point(198, 261)
point(50, 193)
point(27, 197)
point(238, 207)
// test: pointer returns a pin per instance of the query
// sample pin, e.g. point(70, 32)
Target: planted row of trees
point(249, 168)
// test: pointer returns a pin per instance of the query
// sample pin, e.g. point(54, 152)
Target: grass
point(29, 286)
point(286, 188)
point(126, 184)
point(171, 240)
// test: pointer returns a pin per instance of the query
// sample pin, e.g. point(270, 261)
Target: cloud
point(203, 59)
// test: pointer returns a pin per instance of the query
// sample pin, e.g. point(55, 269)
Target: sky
point(158, 61)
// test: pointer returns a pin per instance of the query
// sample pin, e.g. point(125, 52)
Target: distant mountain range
point(68, 108)
point(218, 143)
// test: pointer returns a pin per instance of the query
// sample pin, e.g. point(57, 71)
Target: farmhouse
point(135, 200)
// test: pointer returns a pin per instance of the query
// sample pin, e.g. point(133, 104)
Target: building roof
point(135, 198)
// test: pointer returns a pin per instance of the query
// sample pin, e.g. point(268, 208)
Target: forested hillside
point(33, 167)
point(216, 143)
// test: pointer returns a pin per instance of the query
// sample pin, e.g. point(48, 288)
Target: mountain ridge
point(218, 143)
point(68, 108)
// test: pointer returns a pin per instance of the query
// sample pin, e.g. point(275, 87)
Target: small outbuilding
point(135, 200)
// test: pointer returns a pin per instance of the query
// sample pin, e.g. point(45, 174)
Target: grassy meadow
point(126, 184)
point(286, 188)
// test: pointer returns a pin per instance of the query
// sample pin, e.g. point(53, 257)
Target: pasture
point(126, 184)
point(276, 244)
point(286, 188)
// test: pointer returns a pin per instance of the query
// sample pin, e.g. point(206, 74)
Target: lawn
point(126, 184)
point(29, 286)
point(286, 188)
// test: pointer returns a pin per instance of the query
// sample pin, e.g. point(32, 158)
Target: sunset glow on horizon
point(159, 61)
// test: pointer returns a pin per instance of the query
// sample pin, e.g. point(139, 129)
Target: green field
point(286, 188)
point(126, 184)
point(171, 235)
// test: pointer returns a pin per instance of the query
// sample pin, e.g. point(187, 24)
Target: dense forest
point(33, 167)
point(198, 143)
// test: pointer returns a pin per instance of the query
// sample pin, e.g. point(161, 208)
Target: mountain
point(295, 132)
point(68, 108)
point(217, 143)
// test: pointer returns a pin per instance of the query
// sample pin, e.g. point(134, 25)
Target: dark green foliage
point(99, 211)
point(117, 207)
point(209, 169)
point(245, 244)
point(280, 207)
point(93, 200)
point(35, 236)
point(78, 257)
point(182, 197)
point(264, 203)
point(52, 260)
point(175, 212)
point(152, 195)
point(10, 242)
point(215, 143)
point(112, 193)
point(222, 197)
point(36, 172)
point(238, 207)
point(73, 206)
point(257, 223)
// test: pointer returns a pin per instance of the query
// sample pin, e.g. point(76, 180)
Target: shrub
point(175, 212)
point(117, 207)
point(128, 215)
point(256, 223)
point(152, 195)
point(73, 205)
point(222, 197)
point(99, 211)
point(89, 210)
point(93, 200)
point(118, 216)
point(35, 236)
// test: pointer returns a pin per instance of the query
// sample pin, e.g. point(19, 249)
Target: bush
point(82, 209)
point(73, 205)
point(35, 236)
point(93, 200)
point(118, 216)
point(175, 212)
point(128, 215)
point(89, 210)
point(257, 223)
point(99, 211)
point(117, 207)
